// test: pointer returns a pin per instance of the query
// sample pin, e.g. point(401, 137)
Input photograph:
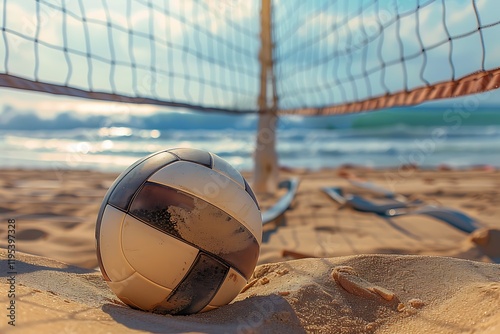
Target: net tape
point(329, 57)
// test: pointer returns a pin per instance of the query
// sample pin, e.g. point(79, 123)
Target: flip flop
point(283, 203)
point(395, 208)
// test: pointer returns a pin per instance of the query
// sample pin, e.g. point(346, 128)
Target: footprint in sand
point(328, 229)
point(31, 234)
point(5, 209)
point(348, 279)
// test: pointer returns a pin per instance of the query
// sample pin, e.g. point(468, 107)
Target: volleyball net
point(348, 56)
point(329, 57)
point(193, 54)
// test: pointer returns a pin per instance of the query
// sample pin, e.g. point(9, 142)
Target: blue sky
point(206, 52)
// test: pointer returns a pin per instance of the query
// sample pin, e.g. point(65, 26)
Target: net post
point(265, 178)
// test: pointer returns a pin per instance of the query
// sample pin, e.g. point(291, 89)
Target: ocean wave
point(318, 148)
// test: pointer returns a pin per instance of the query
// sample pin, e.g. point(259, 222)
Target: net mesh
point(194, 54)
point(348, 56)
point(328, 56)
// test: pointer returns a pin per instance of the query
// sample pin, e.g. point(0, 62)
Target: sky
point(206, 52)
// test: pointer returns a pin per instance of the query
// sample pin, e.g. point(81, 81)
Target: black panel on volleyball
point(193, 155)
point(152, 203)
point(250, 192)
point(123, 192)
point(198, 287)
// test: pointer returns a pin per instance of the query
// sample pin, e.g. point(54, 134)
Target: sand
point(323, 268)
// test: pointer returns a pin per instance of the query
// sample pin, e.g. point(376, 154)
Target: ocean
point(391, 138)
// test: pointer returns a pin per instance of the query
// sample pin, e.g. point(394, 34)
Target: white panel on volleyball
point(214, 188)
point(232, 285)
point(113, 260)
point(140, 292)
point(225, 168)
point(156, 255)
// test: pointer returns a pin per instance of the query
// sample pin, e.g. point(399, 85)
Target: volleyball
point(178, 232)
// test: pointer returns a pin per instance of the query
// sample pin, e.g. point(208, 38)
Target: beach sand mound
point(354, 294)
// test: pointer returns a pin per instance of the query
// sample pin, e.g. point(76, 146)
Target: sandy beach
point(323, 267)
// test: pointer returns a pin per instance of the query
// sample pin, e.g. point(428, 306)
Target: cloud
point(15, 119)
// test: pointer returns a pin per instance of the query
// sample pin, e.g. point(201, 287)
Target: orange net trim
point(472, 84)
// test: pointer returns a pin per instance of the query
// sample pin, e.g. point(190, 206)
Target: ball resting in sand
point(179, 232)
